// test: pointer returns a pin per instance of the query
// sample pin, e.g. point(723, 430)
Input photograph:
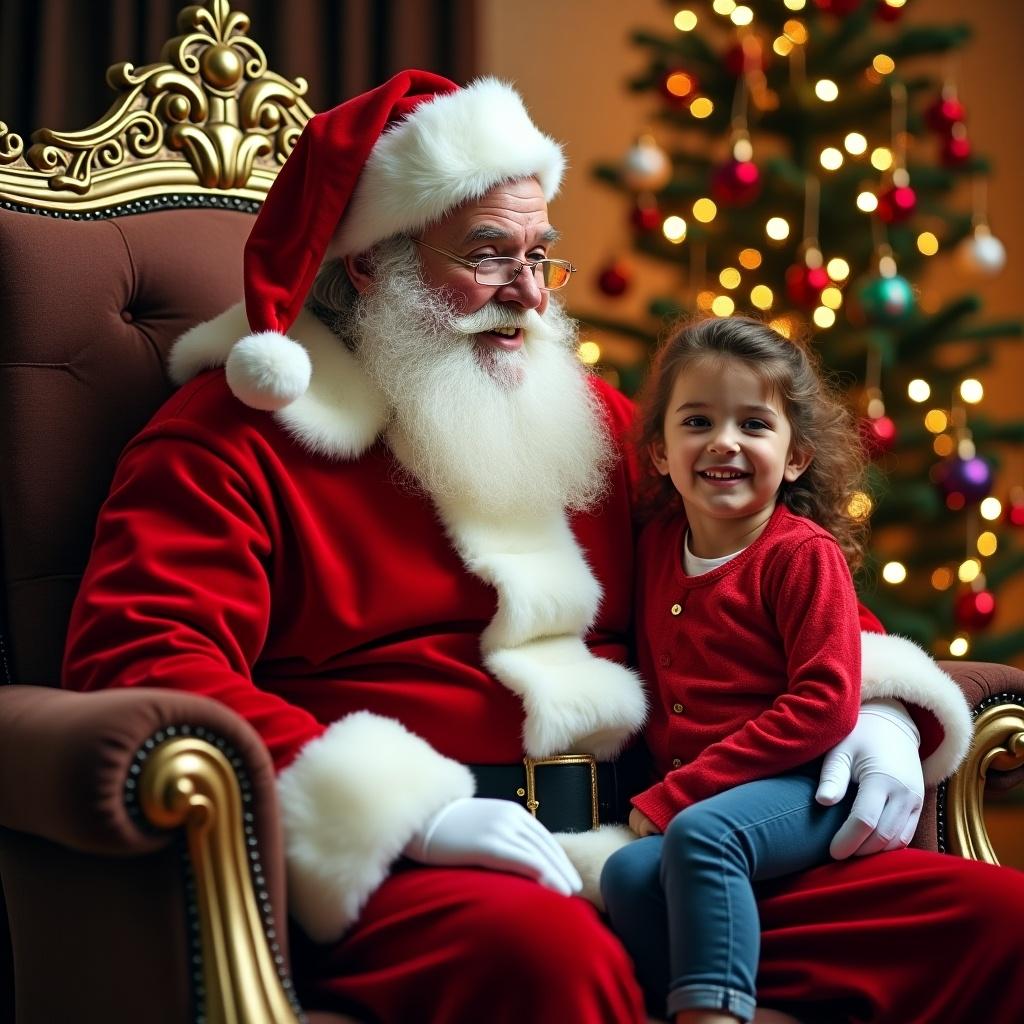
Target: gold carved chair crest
point(210, 115)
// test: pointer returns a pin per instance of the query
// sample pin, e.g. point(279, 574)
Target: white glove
point(881, 756)
point(497, 834)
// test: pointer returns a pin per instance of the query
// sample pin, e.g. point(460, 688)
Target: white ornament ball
point(646, 167)
point(982, 254)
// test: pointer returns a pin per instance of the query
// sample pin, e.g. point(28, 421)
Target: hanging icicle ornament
point(646, 167)
point(981, 254)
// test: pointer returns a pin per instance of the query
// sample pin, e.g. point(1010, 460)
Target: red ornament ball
point(945, 112)
point(614, 280)
point(1013, 510)
point(748, 55)
point(840, 8)
point(955, 150)
point(736, 182)
point(896, 204)
point(645, 217)
point(974, 609)
point(804, 285)
point(886, 12)
point(680, 87)
point(877, 434)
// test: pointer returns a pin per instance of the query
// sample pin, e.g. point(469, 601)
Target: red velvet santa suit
point(277, 564)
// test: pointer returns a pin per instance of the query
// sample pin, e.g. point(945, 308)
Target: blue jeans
point(683, 903)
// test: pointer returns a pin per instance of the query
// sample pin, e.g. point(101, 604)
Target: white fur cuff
point(573, 701)
point(350, 803)
point(892, 666)
point(589, 850)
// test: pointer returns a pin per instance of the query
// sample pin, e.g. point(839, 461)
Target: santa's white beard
point(498, 432)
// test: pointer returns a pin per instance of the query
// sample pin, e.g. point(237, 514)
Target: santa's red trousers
point(909, 937)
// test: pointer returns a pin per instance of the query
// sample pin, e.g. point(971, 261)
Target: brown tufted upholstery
point(89, 310)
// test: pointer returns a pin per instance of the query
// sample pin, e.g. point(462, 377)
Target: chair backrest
point(113, 241)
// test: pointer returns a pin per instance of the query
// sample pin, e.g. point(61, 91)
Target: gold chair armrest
point(998, 746)
point(188, 783)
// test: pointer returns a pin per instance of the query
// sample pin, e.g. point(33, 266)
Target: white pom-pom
point(268, 370)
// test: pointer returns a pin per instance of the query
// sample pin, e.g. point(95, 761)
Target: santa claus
point(387, 519)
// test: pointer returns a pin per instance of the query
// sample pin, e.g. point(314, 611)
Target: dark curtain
point(54, 53)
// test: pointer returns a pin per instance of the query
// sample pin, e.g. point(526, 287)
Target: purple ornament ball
point(971, 478)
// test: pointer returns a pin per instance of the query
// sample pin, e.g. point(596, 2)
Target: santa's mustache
point(495, 316)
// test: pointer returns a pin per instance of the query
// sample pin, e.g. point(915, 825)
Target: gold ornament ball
point(221, 66)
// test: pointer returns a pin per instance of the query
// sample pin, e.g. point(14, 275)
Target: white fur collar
point(547, 595)
point(339, 416)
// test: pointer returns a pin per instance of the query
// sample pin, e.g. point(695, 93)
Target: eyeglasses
point(496, 271)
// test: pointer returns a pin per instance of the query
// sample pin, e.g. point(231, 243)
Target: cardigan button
point(665, 660)
point(677, 762)
point(676, 609)
point(677, 708)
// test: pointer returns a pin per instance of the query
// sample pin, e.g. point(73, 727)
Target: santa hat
point(390, 161)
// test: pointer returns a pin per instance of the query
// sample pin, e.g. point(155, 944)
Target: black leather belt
point(567, 793)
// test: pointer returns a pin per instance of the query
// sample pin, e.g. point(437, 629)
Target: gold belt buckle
point(531, 763)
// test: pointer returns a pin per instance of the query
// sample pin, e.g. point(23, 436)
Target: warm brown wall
point(571, 61)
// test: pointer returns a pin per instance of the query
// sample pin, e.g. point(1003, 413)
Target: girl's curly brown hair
point(819, 419)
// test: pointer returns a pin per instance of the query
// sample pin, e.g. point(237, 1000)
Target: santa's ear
point(658, 456)
point(357, 266)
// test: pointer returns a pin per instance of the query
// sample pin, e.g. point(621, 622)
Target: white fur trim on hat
point(350, 803)
point(445, 152)
point(268, 370)
point(892, 666)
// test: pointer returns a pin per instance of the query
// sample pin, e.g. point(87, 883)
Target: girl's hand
point(641, 824)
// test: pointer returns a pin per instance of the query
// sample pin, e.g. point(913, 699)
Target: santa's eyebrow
point(490, 233)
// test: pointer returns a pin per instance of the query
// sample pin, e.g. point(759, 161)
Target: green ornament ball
point(882, 301)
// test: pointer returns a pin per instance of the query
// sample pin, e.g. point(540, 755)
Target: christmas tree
point(803, 162)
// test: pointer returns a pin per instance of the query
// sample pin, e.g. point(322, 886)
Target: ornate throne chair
point(140, 852)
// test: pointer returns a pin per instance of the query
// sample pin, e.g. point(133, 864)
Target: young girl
point(748, 635)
